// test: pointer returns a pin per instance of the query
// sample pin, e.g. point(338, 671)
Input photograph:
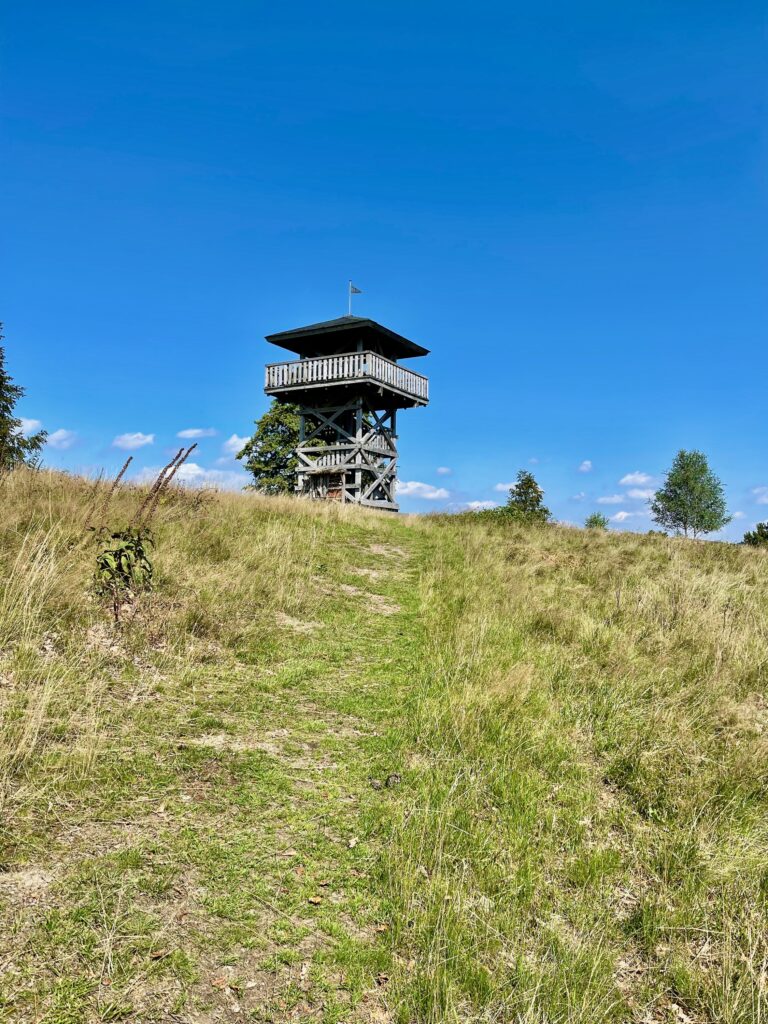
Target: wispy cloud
point(470, 506)
point(611, 499)
point(637, 479)
point(586, 466)
point(623, 515)
point(129, 442)
point(197, 476)
point(580, 496)
point(193, 433)
point(444, 470)
point(738, 515)
point(29, 426)
point(503, 488)
point(233, 445)
point(194, 475)
point(761, 493)
point(641, 493)
point(534, 461)
point(62, 439)
point(416, 489)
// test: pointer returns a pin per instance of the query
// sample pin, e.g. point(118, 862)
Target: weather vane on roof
point(352, 291)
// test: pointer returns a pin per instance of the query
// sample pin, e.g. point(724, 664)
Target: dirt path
point(224, 870)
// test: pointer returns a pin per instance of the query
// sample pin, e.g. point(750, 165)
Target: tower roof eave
point(328, 335)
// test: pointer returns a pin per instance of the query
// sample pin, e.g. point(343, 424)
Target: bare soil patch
point(388, 550)
point(297, 625)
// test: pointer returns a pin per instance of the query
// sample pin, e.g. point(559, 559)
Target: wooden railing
point(351, 366)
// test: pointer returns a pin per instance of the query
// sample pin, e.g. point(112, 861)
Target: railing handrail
point(343, 355)
point(355, 366)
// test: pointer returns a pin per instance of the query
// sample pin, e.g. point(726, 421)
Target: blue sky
point(565, 202)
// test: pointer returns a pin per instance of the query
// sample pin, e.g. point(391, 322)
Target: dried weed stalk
point(91, 500)
point(155, 488)
point(147, 509)
point(102, 517)
point(167, 482)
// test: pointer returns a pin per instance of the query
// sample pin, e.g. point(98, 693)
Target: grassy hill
point(341, 766)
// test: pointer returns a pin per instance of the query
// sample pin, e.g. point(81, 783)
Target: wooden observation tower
point(348, 385)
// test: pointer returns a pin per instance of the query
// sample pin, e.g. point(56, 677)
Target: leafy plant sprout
point(124, 569)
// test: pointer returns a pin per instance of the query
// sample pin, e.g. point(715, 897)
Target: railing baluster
point(346, 366)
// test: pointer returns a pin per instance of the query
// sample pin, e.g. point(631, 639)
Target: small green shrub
point(758, 537)
point(525, 503)
point(597, 521)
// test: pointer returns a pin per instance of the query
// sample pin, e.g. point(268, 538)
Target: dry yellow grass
point(593, 735)
point(579, 720)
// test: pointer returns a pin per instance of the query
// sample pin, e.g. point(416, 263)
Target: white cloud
point(637, 478)
point(470, 506)
point(233, 445)
point(739, 515)
point(580, 496)
point(586, 466)
point(130, 441)
point(62, 439)
point(534, 461)
point(641, 493)
point(761, 493)
point(622, 516)
point(415, 489)
point(611, 499)
point(29, 426)
point(503, 488)
point(194, 475)
point(444, 470)
point(192, 433)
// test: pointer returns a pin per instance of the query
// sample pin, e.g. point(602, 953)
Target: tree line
point(691, 501)
point(16, 448)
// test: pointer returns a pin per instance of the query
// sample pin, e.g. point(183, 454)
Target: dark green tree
point(270, 455)
point(596, 521)
point(692, 500)
point(15, 448)
point(758, 537)
point(526, 500)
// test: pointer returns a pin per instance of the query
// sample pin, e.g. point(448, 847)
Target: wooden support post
point(300, 476)
point(348, 451)
point(358, 452)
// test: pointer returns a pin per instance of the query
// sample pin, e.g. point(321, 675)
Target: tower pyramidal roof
point(342, 334)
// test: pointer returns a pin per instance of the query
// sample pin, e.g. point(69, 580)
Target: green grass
point(195, 824)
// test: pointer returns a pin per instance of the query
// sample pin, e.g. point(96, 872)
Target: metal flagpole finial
point(352, 291)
